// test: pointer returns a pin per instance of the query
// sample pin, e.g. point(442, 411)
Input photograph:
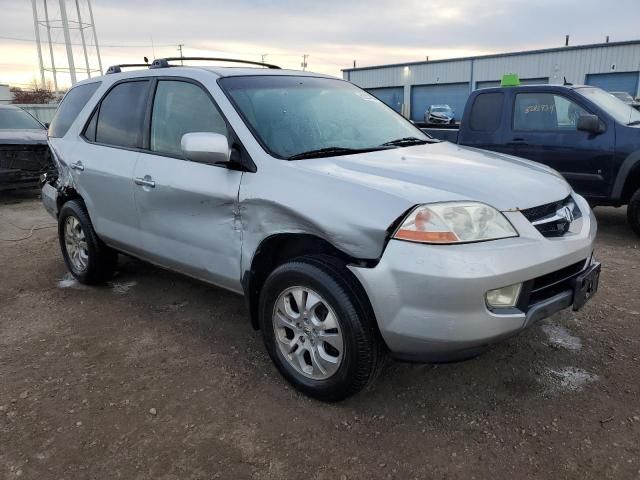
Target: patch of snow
point(69, 281)
point(570, 378)
point(122, 287)
point(561, 337)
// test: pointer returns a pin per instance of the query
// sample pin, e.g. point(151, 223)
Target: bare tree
point(34, 94)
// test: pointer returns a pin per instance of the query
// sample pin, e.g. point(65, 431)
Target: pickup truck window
point(294, 114)
point(179, 108)
point(486, 112)
point(620, 111)
point(545, 112)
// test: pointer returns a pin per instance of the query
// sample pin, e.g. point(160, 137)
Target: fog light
point(504, 297)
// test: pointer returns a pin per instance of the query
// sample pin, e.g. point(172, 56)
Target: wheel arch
point(282, 247)
point(627, 180)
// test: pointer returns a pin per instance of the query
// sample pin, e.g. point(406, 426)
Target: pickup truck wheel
point(88, 259)
point(317, 331)
point(633, 212)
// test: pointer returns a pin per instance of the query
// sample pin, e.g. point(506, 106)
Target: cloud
point(336, 32)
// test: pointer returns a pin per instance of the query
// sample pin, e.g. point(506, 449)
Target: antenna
point(71, 23)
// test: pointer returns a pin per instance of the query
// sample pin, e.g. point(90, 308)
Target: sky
point(333, 33)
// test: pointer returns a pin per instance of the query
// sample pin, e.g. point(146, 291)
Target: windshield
point(441, 109)
point(16, 119)
point(291, 115)
point(620, 111)
point(624, 96)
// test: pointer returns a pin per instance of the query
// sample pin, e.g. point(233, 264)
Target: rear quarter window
point(486, 112)
point(73, 102)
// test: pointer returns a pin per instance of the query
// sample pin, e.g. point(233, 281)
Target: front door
point(544, 130)
point(188, 211)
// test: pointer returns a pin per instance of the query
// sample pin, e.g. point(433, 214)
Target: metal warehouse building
point(410, 88)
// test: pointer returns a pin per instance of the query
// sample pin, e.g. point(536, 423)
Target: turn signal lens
point(455, 222)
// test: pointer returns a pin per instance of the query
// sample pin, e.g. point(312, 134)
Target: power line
point(33, 40)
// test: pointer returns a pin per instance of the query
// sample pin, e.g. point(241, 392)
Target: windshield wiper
point(332, 151)
point(404, 141)
point(635, 122)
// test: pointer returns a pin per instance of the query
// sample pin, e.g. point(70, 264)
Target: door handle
point(518, 141)
point(77, 166)
point(145, 182)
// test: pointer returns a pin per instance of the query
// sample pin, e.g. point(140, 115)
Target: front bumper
point(429, 300)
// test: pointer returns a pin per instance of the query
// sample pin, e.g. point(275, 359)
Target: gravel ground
point(157, 376)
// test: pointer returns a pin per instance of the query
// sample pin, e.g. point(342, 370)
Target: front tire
point(633, 212)
point(317, 328)
point(88, 259)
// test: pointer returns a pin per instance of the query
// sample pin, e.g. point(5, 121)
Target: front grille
point(29, 158)
point(551, 284)
point(553, 219)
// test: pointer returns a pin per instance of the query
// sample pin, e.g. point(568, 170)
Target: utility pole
point(53, 62)
point(35, 24)
point(180, 45)
point(67, 41)
point(84, 43)
point(304, 62)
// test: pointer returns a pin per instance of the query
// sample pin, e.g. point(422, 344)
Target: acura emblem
point(567, 213)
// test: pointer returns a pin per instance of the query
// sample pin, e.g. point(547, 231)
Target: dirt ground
point(157, 376)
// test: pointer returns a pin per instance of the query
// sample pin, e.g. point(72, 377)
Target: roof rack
point(164, 62)
point(118, 68)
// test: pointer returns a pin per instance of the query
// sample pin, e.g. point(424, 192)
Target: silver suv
point(350, 232)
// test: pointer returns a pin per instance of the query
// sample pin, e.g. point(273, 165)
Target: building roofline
point(498, 55)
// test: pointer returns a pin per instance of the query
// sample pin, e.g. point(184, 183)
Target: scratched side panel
point(282, 198)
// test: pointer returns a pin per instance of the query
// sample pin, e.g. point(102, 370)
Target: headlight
point(455, 222)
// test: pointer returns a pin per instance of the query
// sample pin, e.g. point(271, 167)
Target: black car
point(24, 152)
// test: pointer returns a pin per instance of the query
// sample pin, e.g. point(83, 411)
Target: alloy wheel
point(308, 333)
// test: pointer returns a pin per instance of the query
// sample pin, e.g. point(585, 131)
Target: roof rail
point(118, 68)
point(164, 62)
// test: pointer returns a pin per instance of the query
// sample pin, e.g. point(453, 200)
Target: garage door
point(392, 96)
point(523, 81)
point(615, 82)
point(453, 94)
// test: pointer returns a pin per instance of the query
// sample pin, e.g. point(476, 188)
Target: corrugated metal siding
point(392, 96)
point(423, 96)
point(615, 82)
point(556, 65)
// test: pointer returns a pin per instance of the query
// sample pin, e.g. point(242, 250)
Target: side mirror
point(205, 147)
point(589, 123)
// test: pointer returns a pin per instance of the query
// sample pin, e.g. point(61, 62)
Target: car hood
point(447, 172)
point(23, 137)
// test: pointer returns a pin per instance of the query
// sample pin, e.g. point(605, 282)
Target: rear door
point(106, 159)
point(188, 210)
point(544, 130)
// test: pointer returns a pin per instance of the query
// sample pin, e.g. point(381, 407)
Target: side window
point(545, 112)
point(179, 108)
point(73, 102)
point(90, 130)
point(486, 112)
point(121, 115)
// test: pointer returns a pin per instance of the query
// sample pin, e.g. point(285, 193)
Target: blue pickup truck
point(591, 137)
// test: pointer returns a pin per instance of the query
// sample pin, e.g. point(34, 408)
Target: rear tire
point(633, 212)
point(325, 359)
point(88, 259)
